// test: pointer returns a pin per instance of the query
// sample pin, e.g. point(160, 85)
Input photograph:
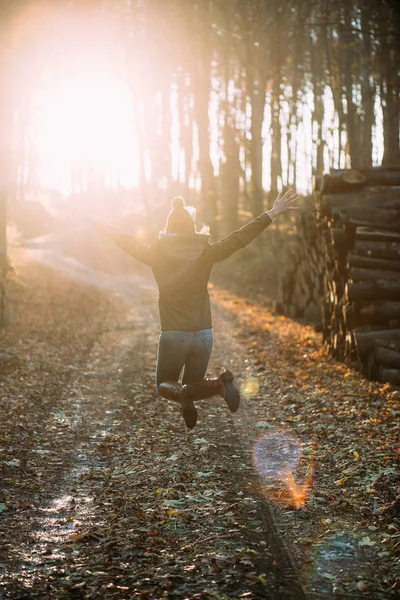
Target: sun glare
point(81, 119)
point(92, 109)
point(86, 122)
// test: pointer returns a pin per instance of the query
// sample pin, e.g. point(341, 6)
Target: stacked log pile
point(300, 284)
point(358, 216)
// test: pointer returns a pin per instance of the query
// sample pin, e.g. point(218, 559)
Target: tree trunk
point(348, 60)
point(230, 167)
point(277, 58)
point(256, 94)
point(202, 88)
point(318, 81)
point(367, 92)
point(6, 120)
point(276, 141)
point(184, 85)
point(390, 86)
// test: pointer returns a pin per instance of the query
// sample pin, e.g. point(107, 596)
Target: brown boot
point(184, 394)
point(218, 386)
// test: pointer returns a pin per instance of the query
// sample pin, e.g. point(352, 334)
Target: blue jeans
point(187, 350)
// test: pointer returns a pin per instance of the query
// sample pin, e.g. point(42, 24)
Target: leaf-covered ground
point(105, 494)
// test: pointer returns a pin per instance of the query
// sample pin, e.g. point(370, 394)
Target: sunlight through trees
point(224, 102)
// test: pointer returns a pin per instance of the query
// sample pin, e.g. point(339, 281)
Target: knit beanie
point(179, 219)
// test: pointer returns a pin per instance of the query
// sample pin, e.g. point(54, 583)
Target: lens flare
point(276, 455)
point(342, 561)
point(250, 387)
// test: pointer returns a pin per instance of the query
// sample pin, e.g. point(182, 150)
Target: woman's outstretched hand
point(284, 202)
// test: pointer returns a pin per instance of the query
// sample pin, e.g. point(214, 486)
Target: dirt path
point(109, 495)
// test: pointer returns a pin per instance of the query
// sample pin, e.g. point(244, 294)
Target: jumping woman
point(181, 261)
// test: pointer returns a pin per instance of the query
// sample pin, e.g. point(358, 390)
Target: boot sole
point(232, 393)
point(189, 413)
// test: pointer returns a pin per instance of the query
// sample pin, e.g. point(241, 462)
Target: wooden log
point(357, 274)
point(361, 319)
point(365, 340)
point(351, 348)
point(390, 376)
point(349, 315)
point(325, 335)
point(380, 311)
point(338, 347)
point(339, 254)
point(389, 226)
point(333, 298)
point(386, 357)
point(380, 218)
point(341, 239)
point(342, 180)
point(361, 216)
point(365, 368)
point(382, 176)
point(386, 250)
point(341, 268)
point(337, 310)
point(371, 215)
point(372, 290)
point(338, 287)
point(373, 368)
point(392, 344)
point(328, 279)
point(376, 235)
point(339, 180)
point(366, 262)
point(373, 197)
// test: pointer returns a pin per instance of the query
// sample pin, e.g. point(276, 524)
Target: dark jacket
point(181, 265)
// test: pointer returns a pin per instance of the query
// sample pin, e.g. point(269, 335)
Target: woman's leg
point(198, 357)
point(172, 350)
point(196, 367)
